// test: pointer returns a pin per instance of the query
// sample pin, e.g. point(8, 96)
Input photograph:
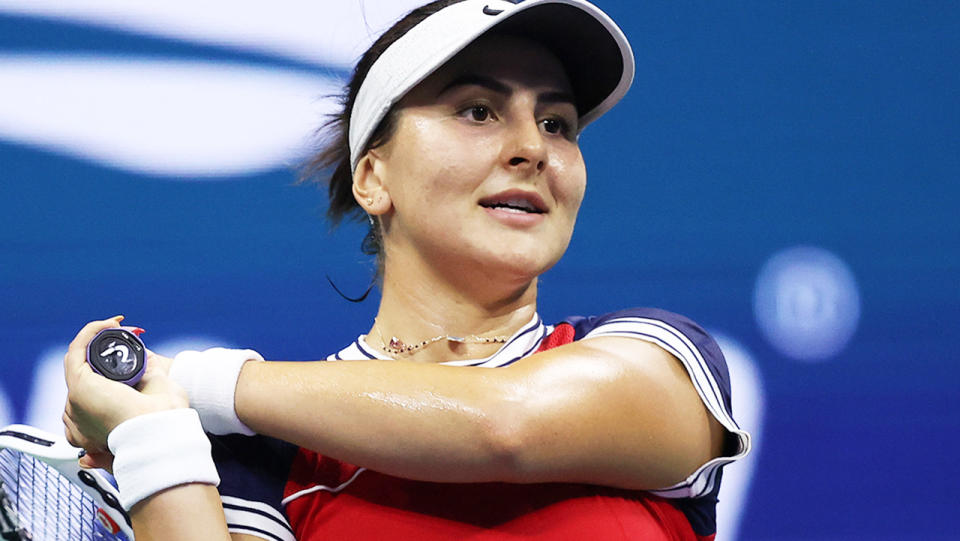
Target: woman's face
point(484, 171)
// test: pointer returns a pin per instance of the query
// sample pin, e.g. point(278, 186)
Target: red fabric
point(562, 334)
point(377, 506)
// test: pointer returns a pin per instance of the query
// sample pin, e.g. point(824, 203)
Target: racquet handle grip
point(118, 354)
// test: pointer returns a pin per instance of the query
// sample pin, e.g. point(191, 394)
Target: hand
point(158, 363)
point(96, 405)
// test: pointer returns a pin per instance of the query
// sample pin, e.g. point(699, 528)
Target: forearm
point(182, 513)
point(166, 476)
point(616, 412)
point(426, 422)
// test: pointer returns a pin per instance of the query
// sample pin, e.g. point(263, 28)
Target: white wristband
point(156, 451)
point(210, 379)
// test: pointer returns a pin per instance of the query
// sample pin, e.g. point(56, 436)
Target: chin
point(520, 266)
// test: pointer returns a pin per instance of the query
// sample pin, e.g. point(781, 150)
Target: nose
point(526, 151)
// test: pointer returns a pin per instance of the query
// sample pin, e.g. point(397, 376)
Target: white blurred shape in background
point(162, 117)
point(320, 32)
point(171, 347)
point(49, 391)
point(807, 303)
point(6, 408)
point(749, 405)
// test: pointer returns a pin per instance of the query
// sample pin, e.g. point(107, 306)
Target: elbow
point(508, 443)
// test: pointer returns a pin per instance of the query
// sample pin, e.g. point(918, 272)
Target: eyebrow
point(471, 79)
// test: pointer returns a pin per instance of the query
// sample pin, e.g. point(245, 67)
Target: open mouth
point(523, 205)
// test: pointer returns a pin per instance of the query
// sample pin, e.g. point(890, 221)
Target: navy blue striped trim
point(258, 512)
point(534, 347)
point(712, 479)
point(671, 349)
point(365, 352)
point(710, 482)
point(525, 355)
point(700, 359)
point(683, 340)
point(668, 347)
point(258, 530)
point(533, 327)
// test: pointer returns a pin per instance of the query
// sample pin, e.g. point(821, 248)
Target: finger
point(158, 365)
point(75, 360)
point(67, 429)
point(76, 438)
point(97, 459)
point(73, 434)
point(157, 383)
point(90, 330)
point(155, 360)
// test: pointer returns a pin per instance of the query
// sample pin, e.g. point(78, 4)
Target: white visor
point(592, 48)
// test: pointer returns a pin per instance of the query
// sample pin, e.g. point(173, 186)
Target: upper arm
point(611, 411)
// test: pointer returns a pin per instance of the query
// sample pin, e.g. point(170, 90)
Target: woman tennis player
point(459, 413)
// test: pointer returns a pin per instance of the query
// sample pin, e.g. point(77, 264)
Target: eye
point(557, 126)
point(479, 113)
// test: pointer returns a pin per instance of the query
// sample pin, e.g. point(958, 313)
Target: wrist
point(210, 381)
point(151, 404)
point(160, 450)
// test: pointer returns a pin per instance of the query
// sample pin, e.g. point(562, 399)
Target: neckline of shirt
point(522, 343)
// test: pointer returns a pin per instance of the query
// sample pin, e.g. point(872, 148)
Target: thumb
point(155, 382)
point(97, 459)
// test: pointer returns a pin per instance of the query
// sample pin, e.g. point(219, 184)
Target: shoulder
point(638, 321)
point(704, 363)
point(677, 334)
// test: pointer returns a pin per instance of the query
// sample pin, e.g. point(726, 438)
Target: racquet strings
point(47, 506)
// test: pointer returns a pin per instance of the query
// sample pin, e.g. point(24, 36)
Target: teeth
point(516, 204)
point(519, 205)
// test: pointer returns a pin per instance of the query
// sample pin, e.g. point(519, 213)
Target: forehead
point(514, 60)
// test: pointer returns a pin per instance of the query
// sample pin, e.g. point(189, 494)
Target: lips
point(515, 201)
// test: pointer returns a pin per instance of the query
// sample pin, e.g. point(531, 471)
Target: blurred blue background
point(785, 173)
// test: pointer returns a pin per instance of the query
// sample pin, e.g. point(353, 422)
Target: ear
point(369, 188)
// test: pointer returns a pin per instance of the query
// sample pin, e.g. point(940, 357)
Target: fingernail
point(118, 318)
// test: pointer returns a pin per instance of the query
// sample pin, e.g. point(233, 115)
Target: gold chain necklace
point(398, 347)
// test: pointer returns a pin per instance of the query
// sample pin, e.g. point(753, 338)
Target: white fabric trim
point(210, 379)
point(703, 480)
point(156, 451)
point(259, 534)
point(251, 519)
point(317, 488)
point(526, 340)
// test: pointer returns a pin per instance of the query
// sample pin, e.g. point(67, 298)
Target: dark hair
point(334, 148)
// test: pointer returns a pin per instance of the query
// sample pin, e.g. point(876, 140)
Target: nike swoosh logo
point(487, 10)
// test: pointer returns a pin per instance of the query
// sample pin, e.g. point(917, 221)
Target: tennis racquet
point(46, 496)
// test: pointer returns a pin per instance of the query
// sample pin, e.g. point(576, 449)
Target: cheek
point(572, 181)
point(439, 160)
